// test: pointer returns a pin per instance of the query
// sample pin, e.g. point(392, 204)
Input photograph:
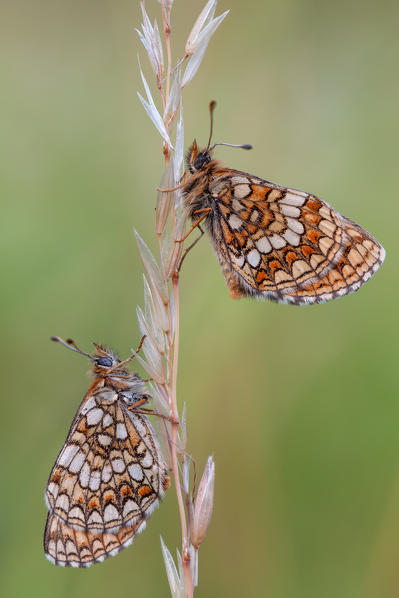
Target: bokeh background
point(299, 406)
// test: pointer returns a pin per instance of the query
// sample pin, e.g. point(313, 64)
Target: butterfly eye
point(104, 361)
point(201, 159)
point(130, 397)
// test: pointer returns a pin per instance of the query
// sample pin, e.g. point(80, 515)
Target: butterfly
point(110, 474)
point(274, 242)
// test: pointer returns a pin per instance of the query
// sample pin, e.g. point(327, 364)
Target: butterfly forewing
point(280, 243)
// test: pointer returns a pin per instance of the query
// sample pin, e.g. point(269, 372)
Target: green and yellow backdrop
point(299, 406)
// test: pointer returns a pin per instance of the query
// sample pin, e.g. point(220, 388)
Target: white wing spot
point(84, 476)
point(104, 439)
point(325, 244)
point(107, 472)
point(241, 191)
point(295, 225)
point(95, 480)
point(68, 454)
point(293, 199)
point(141, 430)
point(240, 261)
point(327, 227)
point(234, 222)
point(77, 462)
point(316, 259)
point(70, 549)
point(281, 276)
point(146, 461)
point(94, 416)
point(136, 472)
point(106, 396)
point(76, 513)
point(62, 502)
point(253, 258)
point(121, 431)
point(130, 506)
point(263, 245)
point(89, 405)
point(291, 237)
point(110, 513)
point(289, 210)
point(277, 241)
point(118, 465)
point(107, 420)
point(324, 211)
point(52, 489)
point(237, 205)
point(300, 267)
point(95, 517)
point(237, 180)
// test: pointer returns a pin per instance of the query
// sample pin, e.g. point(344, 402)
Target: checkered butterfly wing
point(285, 244)
point(110, 473)
point(69, 547)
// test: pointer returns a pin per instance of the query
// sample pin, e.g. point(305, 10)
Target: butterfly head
point(103, 360)
point(107, 365)
point(196, 159)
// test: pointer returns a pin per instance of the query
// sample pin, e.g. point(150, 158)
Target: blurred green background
point(299, 406)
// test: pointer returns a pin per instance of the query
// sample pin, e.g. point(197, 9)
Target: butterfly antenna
point(245, 146)
point(212, 107)
point(70, 344)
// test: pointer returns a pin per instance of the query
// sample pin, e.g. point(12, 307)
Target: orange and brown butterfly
point(274, 242)
point(110, 474)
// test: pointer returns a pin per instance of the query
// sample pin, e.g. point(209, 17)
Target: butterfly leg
point(146, 411)
point(137, 404)
point(195, 225)
point(189, 249)
point(185, 179)
point(130, 358)
point(152, 412)
point(206, 210)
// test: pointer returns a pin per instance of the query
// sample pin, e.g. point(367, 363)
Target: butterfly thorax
point(123, 386)
point(197, 190)
point(109, 377)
